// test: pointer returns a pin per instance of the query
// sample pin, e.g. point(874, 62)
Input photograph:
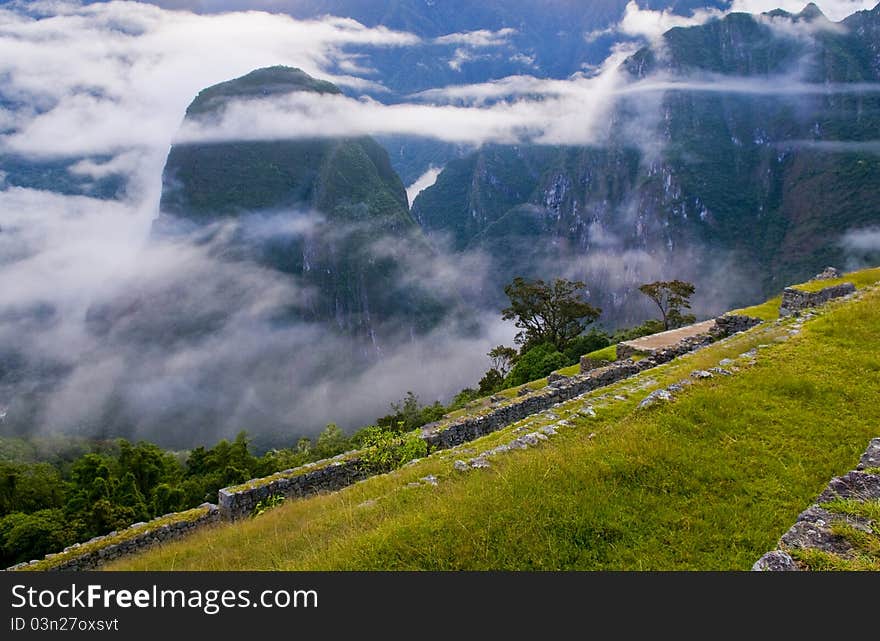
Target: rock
point(815, 535)
point(549, 430)
point(871, 457)
point(587, 410)
point(724, 362)
point(592, 435)
point(853, 485)
point(461, 466)
point(525, 391)
point(479, 463)
point(430, 479)
point(529, 439)
point(829, 273)
point(496, 399)
point(556, 377)
point(720, 371)
point(775, 561)
point(679, 386)
point(655, 397)
point(367, 503)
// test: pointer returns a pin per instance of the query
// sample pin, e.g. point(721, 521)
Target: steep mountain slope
point(321, 209)
point(756, 163)
point(706, 481)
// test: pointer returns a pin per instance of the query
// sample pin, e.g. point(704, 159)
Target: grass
point(860, 279)
point(869, 510)
point(707, 482)
point(605, 354)
point(765, 311)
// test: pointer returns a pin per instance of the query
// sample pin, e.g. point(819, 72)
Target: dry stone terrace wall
point(565, 389)
point(794, 299)
point(103, 549)
point(240, 501)
point(813, 528)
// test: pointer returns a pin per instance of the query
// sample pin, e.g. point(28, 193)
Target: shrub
point(536, 363)
point(385, 451)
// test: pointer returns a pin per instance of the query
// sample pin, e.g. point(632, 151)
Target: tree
point(536, 363)
point(548, 313)
point(491, 382)
point(331, 441)
point(503, 359)
point(671, 297)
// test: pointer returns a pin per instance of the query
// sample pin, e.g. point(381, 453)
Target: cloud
point(478, 38)
point(834, 10)
point(835, 146)
point(460, 57)
point(650, 24)
point(175, 341)
point(422, 182)
point(865, 240)
point(106, 78)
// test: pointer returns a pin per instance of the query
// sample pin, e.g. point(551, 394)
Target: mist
point(107, 331)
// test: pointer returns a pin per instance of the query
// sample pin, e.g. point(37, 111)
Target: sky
point(107, 85)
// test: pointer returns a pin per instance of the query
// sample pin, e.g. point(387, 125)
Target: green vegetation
point(269, 503)
point(671, 297)
point(125, 535)
point(551, 313)
point(709, 481)
point(605, 354)
point(859, 279)
point(765, 311)
point(384, 451)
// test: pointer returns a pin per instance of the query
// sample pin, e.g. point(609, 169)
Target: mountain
point(765, 180)
point(322, 209)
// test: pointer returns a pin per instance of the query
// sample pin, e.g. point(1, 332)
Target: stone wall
point(730, 324)
point(794, 299)
point(103, 549)
point(239, 501)
point(470, 428)
point(813, 528)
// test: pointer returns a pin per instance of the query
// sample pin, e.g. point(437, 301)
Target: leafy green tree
point(491, 382)
point(409, 414)
point(331, 441)
point(548, 312)
point(536, 363)
point(503, 359)
point(464, 397)
point(28, 487)
point(584, 344)
point(127, 495)
point(30, 536)
point(167, 499)
point(671, 297)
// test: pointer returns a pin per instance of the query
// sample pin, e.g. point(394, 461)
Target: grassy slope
point(859, 279)
point(708, 482)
